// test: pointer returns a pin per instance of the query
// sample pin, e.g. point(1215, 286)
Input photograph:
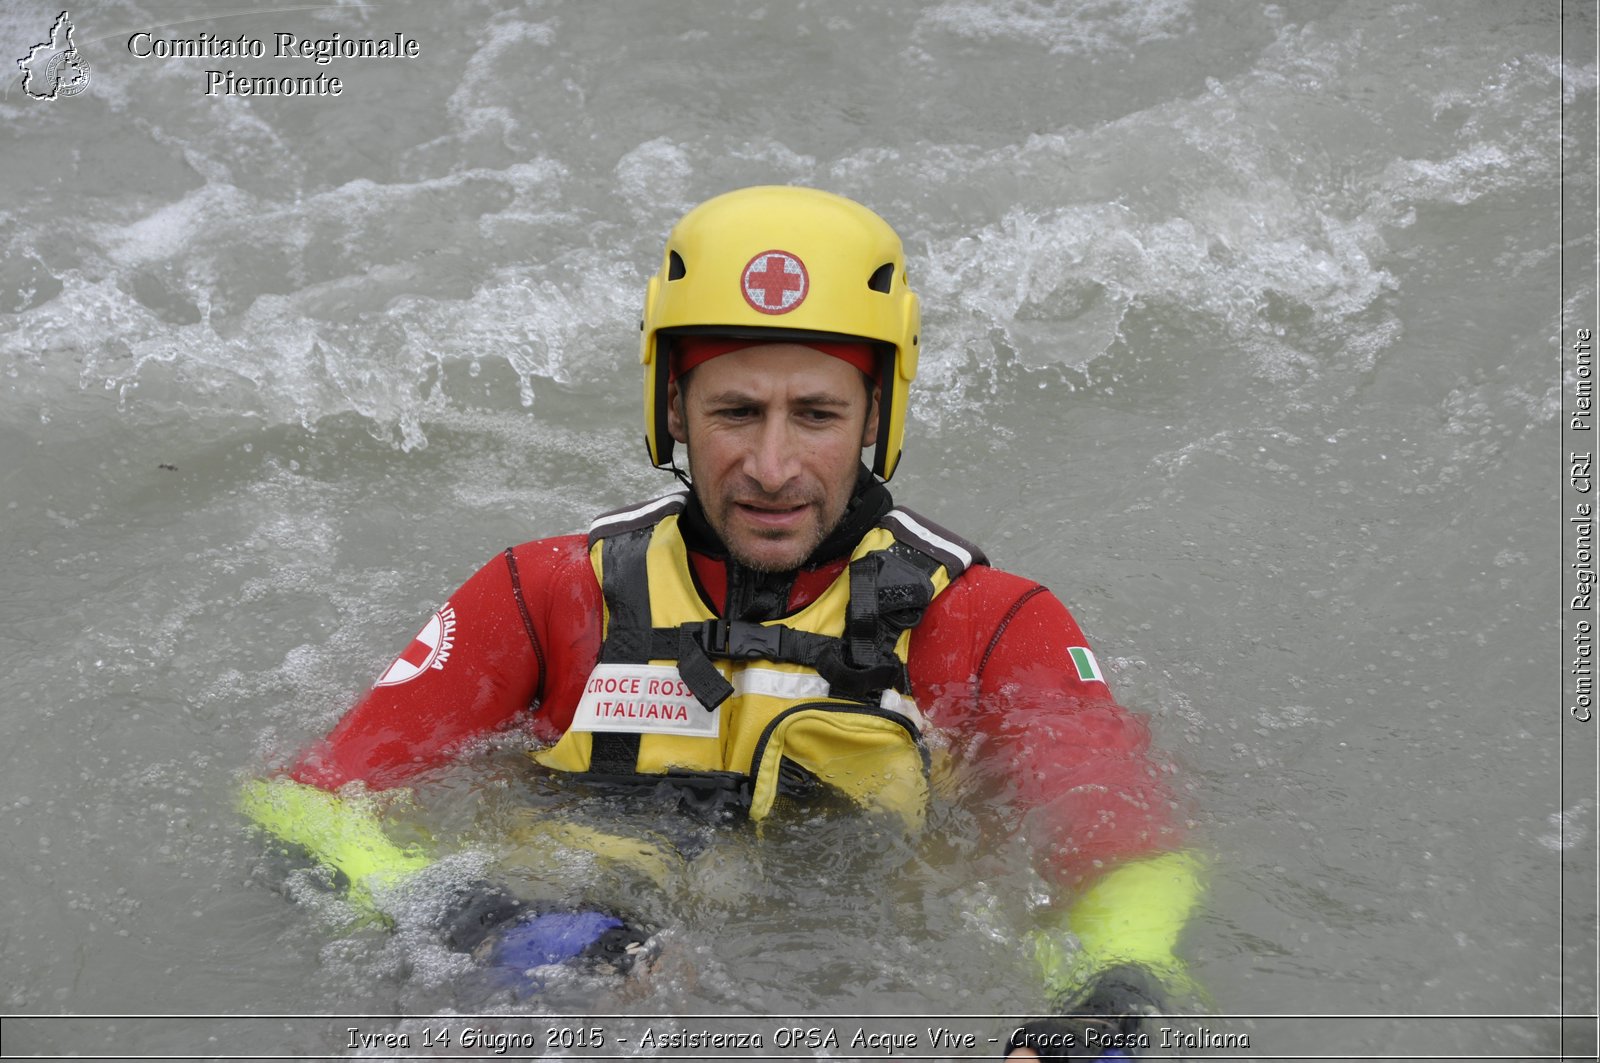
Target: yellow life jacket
point(746, 710)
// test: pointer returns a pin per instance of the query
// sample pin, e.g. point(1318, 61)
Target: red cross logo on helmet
point(775, 282)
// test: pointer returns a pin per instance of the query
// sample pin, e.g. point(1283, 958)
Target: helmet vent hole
point(881, 278)
point(675, 269)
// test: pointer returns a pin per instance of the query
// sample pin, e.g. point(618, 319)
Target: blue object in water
point(549, 938)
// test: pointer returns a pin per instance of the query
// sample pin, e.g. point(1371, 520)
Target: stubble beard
point(801, 548)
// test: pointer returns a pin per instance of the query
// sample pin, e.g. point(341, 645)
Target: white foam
point(1568, 828)
point(479, 102)
point(301, 357)
point(1064, 28)
point(653, 178)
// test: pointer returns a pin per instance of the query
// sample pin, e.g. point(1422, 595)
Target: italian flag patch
point(1088, 667)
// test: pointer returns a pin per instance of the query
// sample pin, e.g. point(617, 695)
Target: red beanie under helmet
point(690, 351)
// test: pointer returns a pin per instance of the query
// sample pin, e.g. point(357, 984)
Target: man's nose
point(773, 460)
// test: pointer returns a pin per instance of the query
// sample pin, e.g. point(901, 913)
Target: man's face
point(775, 434)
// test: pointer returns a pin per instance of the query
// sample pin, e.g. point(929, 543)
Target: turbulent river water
point(1242, 328)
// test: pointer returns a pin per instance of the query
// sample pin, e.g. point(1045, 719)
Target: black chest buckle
point(737, 640)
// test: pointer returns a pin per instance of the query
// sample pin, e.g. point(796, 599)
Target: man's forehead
point(795, 394)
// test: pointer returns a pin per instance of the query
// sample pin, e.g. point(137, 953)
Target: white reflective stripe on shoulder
point(798, 686)
point(638, 511)
point(918, 531)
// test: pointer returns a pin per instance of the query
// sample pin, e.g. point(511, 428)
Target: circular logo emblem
point(430, 649)
point(68, 73)
point(775, 282)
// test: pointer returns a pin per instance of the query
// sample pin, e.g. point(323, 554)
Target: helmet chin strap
point(682, 476)
point(672, 458)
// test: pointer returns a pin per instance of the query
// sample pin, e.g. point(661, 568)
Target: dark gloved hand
point(1106, 1021)
point(474, 912)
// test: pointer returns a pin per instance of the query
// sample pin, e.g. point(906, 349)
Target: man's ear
point(869, 434)
point(675, 419)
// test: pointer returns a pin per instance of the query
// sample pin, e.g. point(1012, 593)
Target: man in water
point(775, 631)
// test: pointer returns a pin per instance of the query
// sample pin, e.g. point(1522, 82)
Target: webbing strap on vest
point(696, 669)
point(627, 599)
point(693, 645)
point(627, 637)
point(890, 590)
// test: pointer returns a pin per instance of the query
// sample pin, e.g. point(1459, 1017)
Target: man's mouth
point(773, 514)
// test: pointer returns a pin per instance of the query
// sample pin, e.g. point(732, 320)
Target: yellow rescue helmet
point(781, 264)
